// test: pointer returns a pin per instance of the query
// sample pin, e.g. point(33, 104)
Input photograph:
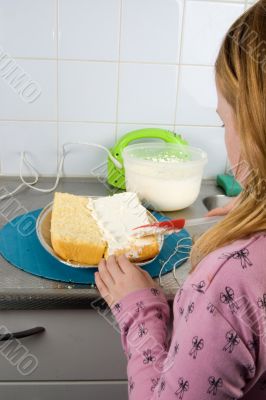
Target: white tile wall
point(196, 103)
point(28, 28)
point(147, 93)
point(104, 68)
point(151, 30)
point(89, 29)
point(45, 106)
point(87, 91)
point(203, 36)
point(37, 139)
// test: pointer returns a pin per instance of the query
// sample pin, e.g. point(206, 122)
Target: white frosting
point(117, 216)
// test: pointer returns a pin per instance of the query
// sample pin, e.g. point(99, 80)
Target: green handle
point(147, 133)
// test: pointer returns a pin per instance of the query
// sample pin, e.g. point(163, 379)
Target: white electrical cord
point(178, 249)
point(24, 160)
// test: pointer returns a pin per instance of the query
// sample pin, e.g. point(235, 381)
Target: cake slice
point(75, 235)
point(85, 229)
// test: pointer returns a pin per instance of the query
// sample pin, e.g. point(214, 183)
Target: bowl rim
point(187, 163)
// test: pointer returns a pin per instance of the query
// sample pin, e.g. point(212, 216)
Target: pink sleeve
point(206, 360)
point(142, 317)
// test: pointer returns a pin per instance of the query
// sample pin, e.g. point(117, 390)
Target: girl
point(218, 343)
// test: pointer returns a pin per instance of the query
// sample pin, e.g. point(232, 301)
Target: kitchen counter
point(20, 290)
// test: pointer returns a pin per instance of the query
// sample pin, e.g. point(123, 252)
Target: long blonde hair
point(241, 77)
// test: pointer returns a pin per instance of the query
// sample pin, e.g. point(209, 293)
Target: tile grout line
point(118, 71)
point(77, 60)
point(109, 123)
point(57, 82)
point(170, 125)
point(179, 59)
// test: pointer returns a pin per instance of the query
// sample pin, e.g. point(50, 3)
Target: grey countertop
point(20, 290)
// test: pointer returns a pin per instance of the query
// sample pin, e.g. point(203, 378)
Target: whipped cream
point(117, 216)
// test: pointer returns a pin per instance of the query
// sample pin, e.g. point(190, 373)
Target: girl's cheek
point(232, 147)
point(228, 147)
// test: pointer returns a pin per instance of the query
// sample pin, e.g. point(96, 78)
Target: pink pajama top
point(216, 348)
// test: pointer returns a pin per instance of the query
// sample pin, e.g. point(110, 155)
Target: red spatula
point(171, 226)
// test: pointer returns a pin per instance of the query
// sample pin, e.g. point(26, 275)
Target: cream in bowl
point(166, 176)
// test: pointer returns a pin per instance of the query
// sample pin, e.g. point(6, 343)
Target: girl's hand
point(223, 210)
point(118, 277)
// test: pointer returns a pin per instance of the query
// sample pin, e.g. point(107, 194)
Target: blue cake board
point(20, 246)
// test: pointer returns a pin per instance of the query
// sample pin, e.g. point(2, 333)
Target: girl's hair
point(241, 78)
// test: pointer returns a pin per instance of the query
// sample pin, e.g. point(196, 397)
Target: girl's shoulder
point(232, 281)
point(239, 261)
point(228, 289)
